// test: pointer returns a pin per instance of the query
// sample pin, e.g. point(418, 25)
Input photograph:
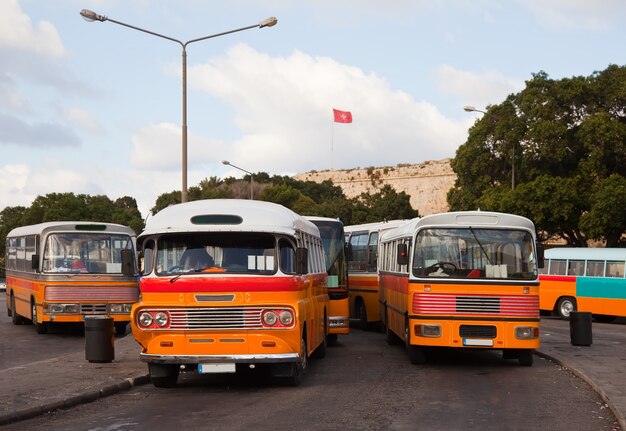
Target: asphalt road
point(362, 384)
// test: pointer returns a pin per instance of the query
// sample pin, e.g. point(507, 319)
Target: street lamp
point(92, 16)
point(470, 108)
point(226, 162)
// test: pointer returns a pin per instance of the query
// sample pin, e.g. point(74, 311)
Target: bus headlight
point(161, 319)
point(145, 319)
point(286, 318)
point(270, 318)
point(431, 331)
point(52, 308)
point(526, 332)
point(120, 308)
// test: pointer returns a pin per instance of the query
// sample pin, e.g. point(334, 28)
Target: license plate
point(477, 342)
point(216, 368)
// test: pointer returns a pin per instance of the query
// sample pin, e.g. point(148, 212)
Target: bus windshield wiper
point(480, 245)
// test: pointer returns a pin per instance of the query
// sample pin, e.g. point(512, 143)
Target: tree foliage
point(565, 139)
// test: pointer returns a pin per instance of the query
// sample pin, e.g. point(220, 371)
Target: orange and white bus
point(333, 240)
point(61, 272)
point(464, 280)
point(584, 279)
point(362, 240)
point(230, 283)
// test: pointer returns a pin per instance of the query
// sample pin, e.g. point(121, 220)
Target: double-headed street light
point(226, 162)
point(92, 16)
point(470, 108)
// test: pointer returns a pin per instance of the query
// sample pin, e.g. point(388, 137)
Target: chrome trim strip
point(212, 359)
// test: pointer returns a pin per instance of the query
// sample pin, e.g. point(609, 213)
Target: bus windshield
point(98, 253)
point(474, 253)
point(234, 252)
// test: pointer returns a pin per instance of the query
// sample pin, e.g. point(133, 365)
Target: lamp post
point(226, 162)
point(92, 16)
point(470, 108)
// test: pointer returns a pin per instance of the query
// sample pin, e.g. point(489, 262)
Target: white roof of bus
point(477, 219)
point(373, 227)
point(586, 253)
point(406, 229)
point(256, 216)
point(68, 226)
point(317, 218)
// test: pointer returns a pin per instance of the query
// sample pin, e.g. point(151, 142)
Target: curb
point(618, 415)
point(85, 398)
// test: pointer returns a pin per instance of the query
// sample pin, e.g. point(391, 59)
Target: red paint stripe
point(230, 284)
point(566, 278)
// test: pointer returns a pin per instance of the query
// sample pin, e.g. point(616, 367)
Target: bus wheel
point(417, 354)
point(300, 367)
point(525, 357)
point(565, 306)
point(42, 328)
point(163, 376)
point(392, 339)
point(120, 328)
point(331, 339)
point(362, 312)
point(15, 318)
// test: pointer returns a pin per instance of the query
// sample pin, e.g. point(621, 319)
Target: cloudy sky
point(96, 107)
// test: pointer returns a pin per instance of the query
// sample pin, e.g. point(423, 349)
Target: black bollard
point(99, 339)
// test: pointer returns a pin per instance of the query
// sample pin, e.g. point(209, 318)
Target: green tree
point(606, 220)
point(560, 137)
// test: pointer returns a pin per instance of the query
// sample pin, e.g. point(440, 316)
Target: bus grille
point(93, 309)
point(92, 293)
point(215, 318)
point(477, 331)
point(447, 304)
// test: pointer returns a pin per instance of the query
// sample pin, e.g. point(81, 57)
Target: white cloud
point(476, 89)
point(83, 119)
point(598, 15)
point(17, 31)
point(284, 111)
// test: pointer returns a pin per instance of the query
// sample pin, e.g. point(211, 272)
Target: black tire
point(525, 357)
point(565, 306)
point(362, 315)
point(301, 366)
point(120, 328)
point(392, 338)
point(15, 318)
point(417, 354)
point(331, 339)
point(163, 376)
point(41, 328)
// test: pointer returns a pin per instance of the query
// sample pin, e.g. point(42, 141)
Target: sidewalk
point(28, 391)
point(63, 382)
point(602, 364)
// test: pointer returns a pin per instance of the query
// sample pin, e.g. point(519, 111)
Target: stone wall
point(427, 183)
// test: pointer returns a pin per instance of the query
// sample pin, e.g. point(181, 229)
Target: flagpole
point(332, 143)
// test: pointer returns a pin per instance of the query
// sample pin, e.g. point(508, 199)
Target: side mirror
point(128, 263)
point(34, 262)
point(348, 251)
point(302, 261)
point(402, 254)
point(540, 256)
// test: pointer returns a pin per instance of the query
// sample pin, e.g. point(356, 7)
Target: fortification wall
point(427, 183)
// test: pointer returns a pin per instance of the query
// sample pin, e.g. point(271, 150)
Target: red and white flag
point(342, 116)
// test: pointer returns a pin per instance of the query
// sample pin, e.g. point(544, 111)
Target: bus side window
point(287, 257)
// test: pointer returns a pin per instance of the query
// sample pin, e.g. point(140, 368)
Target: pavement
point(66, 381)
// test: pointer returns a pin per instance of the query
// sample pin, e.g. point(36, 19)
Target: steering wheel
point(446, 267)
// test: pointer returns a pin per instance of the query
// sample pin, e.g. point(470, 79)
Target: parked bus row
point(224, 284)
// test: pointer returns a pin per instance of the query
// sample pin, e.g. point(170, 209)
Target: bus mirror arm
point(540, 255)
point(128, 264)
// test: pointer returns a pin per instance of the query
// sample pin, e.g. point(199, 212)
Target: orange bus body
point(43, 294)
point(439, 290)
point(218, 318)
